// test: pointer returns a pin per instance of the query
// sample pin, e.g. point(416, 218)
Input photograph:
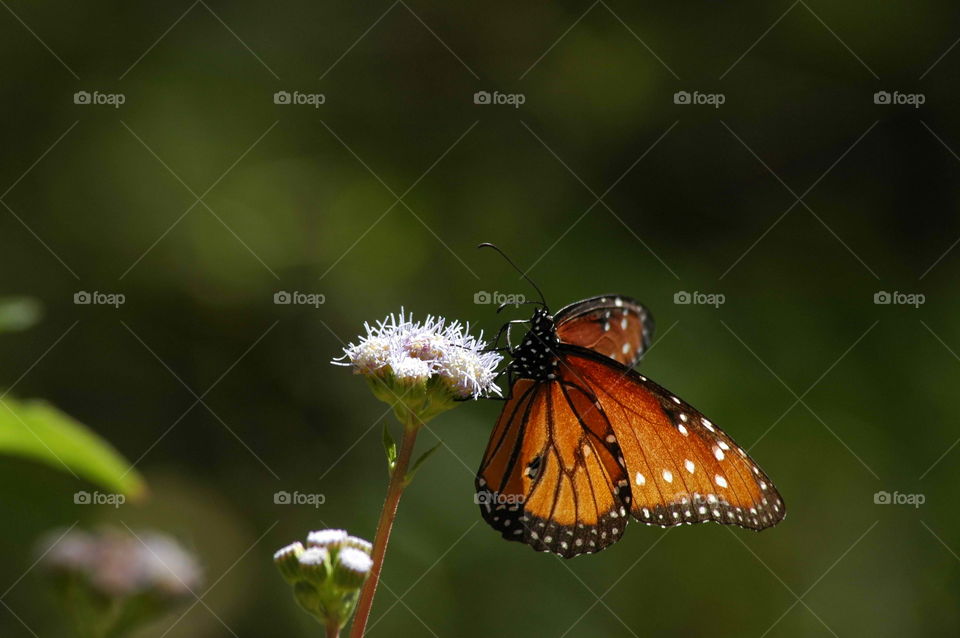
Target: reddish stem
point(398, 481)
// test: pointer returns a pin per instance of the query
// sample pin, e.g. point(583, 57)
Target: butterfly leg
point(505, 329)
point(509, 396)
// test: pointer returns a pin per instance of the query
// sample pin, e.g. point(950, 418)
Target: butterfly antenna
point(543, 299)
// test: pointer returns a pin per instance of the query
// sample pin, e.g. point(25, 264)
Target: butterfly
point(585, 442)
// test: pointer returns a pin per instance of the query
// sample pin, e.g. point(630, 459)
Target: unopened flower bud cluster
point(326, 572)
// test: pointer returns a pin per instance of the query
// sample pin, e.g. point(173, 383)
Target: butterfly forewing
point(550, 477)
point(613, 325)
point(682, 468)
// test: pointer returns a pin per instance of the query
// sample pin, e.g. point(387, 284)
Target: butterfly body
point(535, 358)
point(585, 442)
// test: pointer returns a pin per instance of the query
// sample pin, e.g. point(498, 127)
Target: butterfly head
point(536, 356)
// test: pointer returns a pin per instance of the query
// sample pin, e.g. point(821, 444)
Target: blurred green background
point(836, 396)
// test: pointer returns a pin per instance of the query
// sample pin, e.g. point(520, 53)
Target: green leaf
point(39, 431)
point(18, 313)
point(419, 462)
point(390, 447)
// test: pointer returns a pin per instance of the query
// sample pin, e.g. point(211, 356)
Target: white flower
point(326, 537)
point(123, 564)
point(358, 543)
point(469, 372)
point(415, 352)
point(410, 368)
point(313, 556)
point(167, 565)
point(293, 549)
point(74, 551)
point(355, 560)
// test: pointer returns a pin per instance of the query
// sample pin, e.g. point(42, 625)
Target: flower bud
point(358, 543)
point(324, 537)
point(352, 568)
point(314, 565)
point(287, 560)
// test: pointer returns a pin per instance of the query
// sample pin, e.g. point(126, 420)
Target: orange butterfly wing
point(613, 325)
point(550, 478)
point(583, 438)
point(682, 468)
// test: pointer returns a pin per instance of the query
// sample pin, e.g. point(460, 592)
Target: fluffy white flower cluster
point(120, 564)
point(416, 352)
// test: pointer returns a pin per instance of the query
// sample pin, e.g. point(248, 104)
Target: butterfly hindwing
point(613, 325)
point(682, 468)
point(551, 478)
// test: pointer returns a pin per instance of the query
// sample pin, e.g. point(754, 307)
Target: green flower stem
point(398, 481)
point(333, 628)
